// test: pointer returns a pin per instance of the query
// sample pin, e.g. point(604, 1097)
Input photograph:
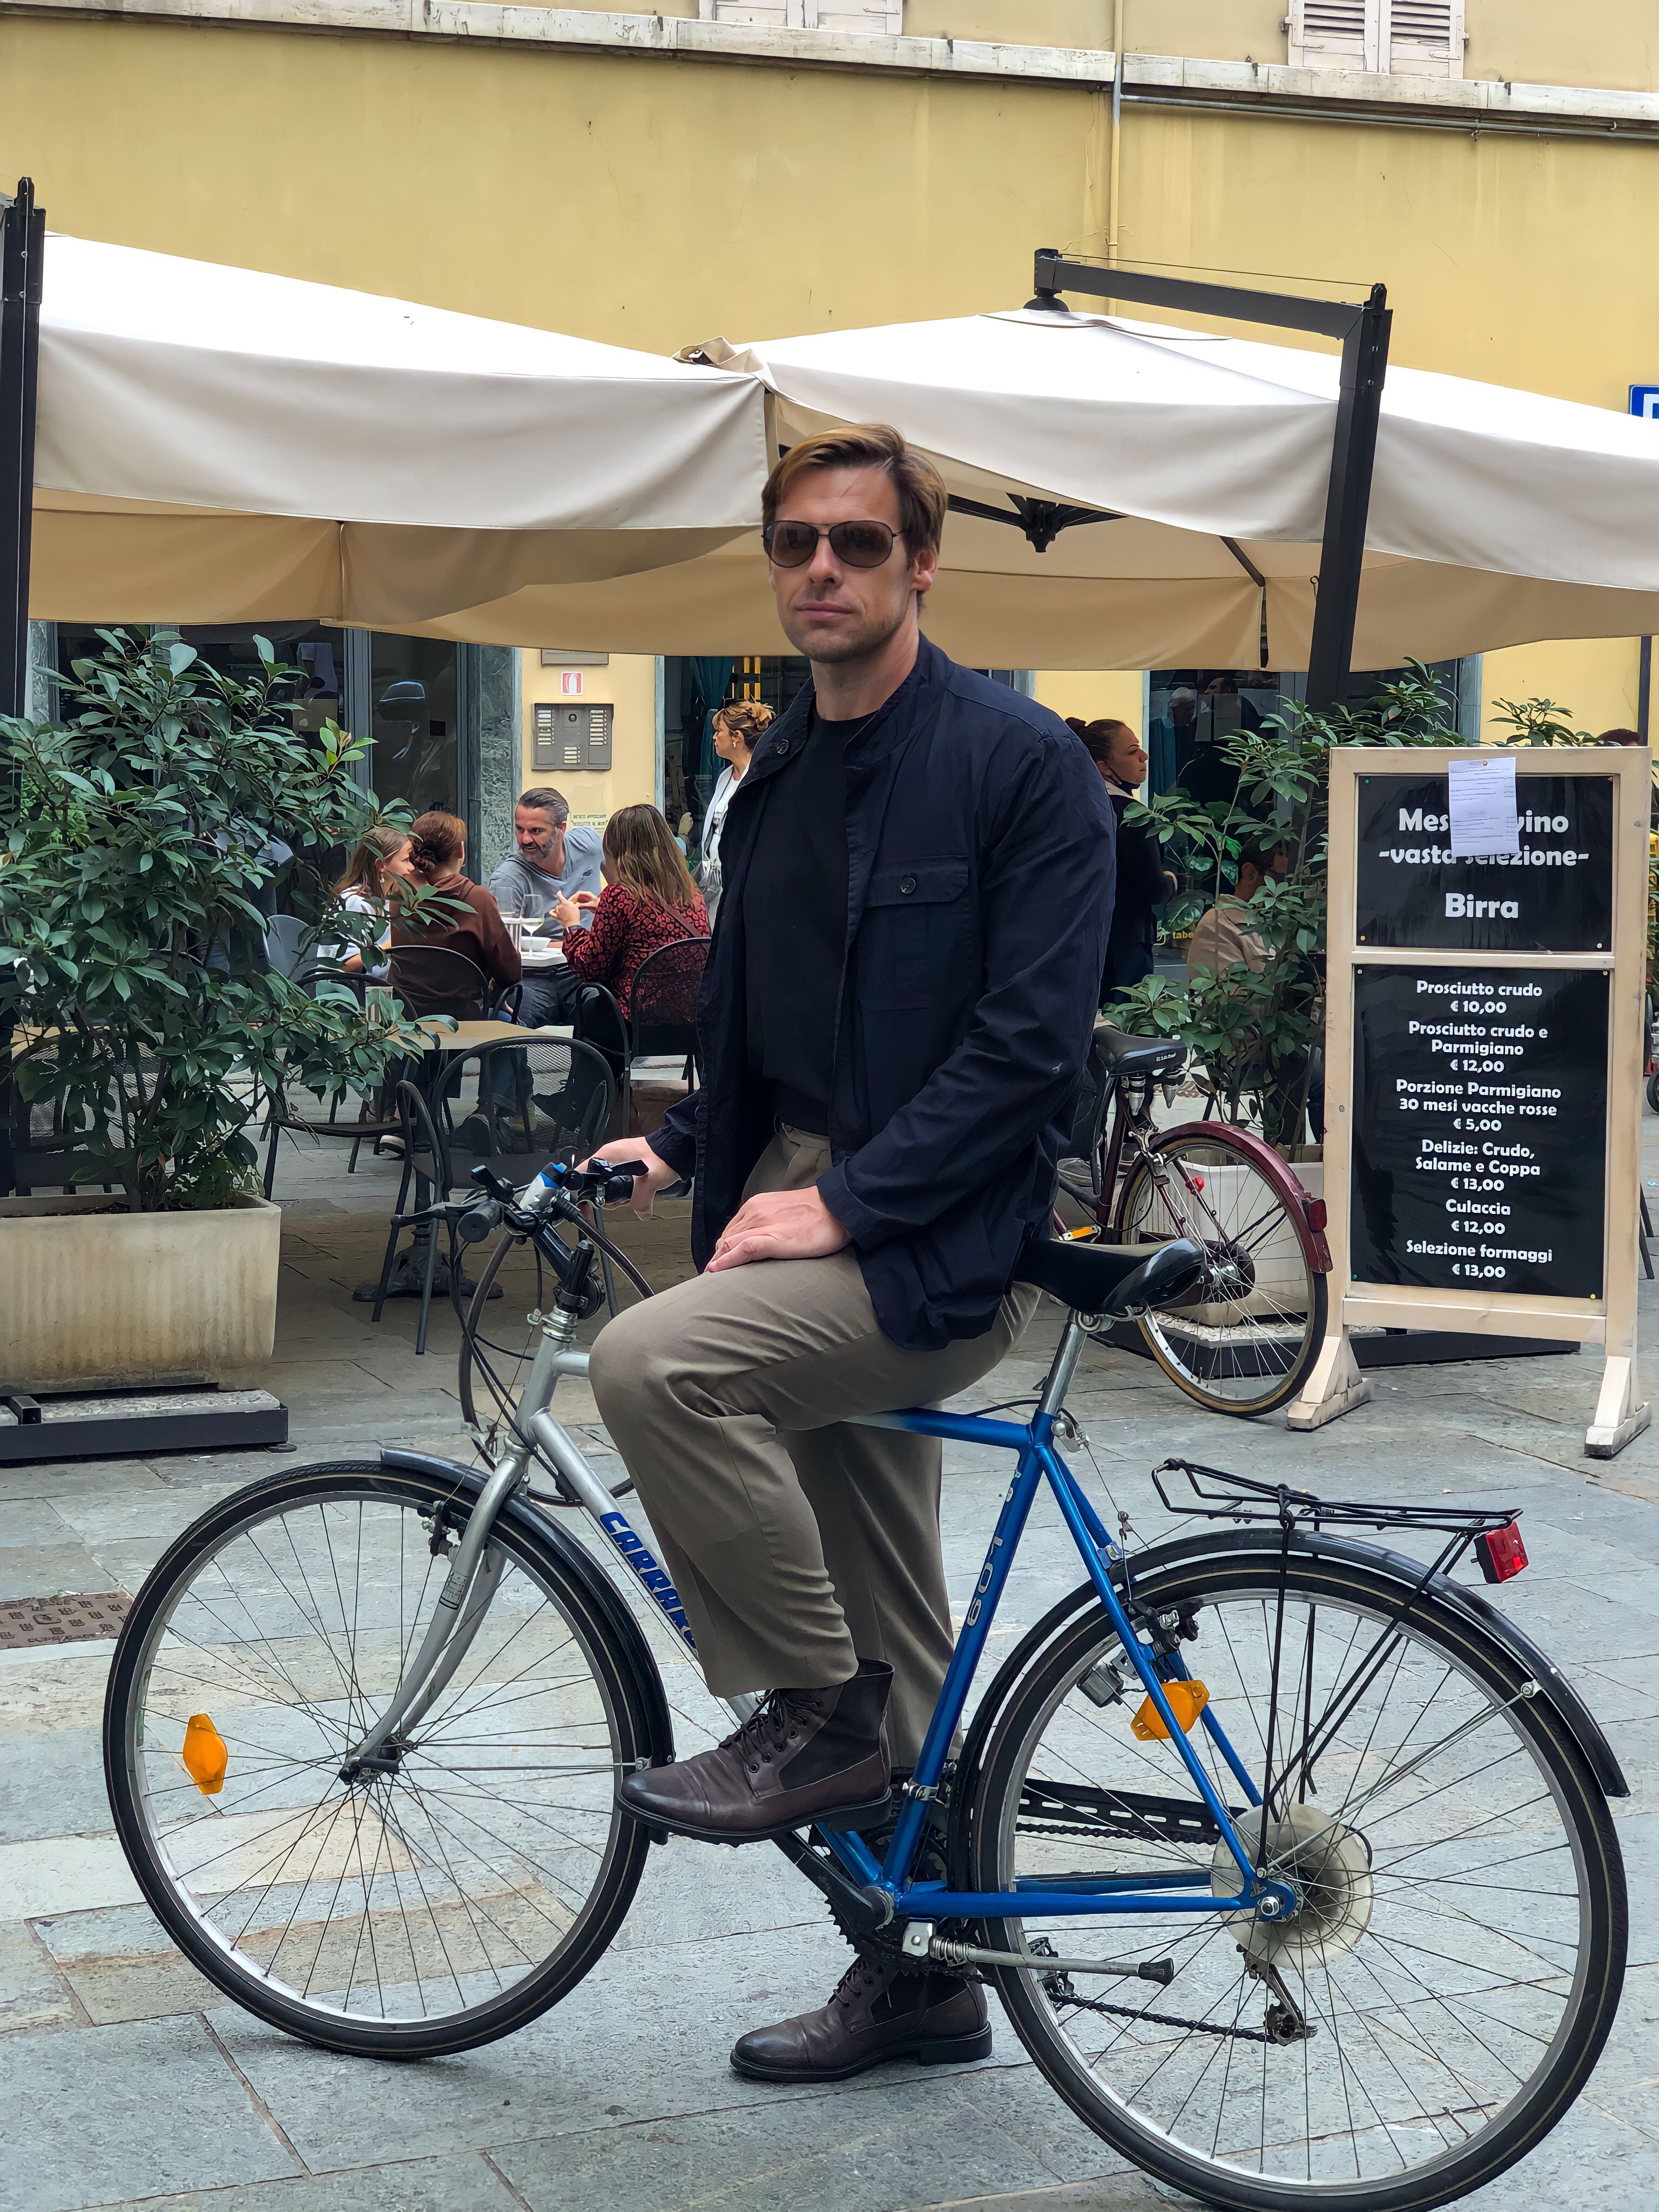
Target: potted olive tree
point(139, 830)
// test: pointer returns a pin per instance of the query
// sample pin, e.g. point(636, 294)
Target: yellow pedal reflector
point(205, 1754)
point(1186, 1701)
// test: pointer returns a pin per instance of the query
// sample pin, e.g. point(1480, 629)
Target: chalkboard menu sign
point(1555, 895)
point(1480, 1139)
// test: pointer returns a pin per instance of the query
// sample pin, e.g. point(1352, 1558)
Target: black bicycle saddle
point(1113, 1280)
point(1133, 1055)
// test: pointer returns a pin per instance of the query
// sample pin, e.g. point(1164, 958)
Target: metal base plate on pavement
point(1405, 1347)
point(131, 1424)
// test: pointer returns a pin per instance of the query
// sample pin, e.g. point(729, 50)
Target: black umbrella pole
point(22, 247)
point(1347, 501)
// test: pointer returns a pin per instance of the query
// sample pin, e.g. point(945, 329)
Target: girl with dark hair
point(437, 847)
point(1143, 881)
point(649, 901)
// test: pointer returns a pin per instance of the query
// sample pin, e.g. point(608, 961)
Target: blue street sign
point(1645, 401)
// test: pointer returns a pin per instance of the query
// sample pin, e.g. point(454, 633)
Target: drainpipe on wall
point(1644, 687)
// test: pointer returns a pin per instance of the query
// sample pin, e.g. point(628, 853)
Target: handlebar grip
point(479, 1221)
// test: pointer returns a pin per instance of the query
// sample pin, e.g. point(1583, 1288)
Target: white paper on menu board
point(1482, 807)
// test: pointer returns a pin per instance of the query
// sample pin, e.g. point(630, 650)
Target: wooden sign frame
point(1334, 1384)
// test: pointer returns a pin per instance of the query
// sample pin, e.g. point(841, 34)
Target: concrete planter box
point(92, 1294)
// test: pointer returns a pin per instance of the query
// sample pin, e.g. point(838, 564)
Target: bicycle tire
point(1258, 1362)
point(1653, 1092)
point(989, 1846)
point(142, 1711)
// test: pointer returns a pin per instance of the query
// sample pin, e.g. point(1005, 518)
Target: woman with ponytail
point(738, 728)
point(1143, 881)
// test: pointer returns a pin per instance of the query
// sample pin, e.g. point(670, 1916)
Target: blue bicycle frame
point(1190, 1891)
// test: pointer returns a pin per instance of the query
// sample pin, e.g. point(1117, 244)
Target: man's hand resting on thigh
point(658, 1173)
point(779, 1224)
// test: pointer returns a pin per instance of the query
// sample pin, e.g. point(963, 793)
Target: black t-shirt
point(794, 926)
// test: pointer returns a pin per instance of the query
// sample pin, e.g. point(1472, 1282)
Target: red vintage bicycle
point(1243, 1340)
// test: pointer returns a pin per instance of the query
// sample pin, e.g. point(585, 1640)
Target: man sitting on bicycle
point(918, 879)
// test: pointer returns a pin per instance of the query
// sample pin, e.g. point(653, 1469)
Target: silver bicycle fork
point(477, 1565)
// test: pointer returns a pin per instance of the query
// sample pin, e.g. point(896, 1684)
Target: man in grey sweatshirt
point(556, 859)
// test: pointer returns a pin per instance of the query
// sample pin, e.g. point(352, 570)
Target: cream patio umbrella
point(1129, 495)
point(214, 445)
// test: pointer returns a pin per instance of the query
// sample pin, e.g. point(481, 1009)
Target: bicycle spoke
point(443, 1879)
point(1427, 1968)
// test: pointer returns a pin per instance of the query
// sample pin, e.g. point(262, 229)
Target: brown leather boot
point(876, 2013)
point(804, 1755)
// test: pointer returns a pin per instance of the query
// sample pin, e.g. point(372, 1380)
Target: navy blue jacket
point(979, 879)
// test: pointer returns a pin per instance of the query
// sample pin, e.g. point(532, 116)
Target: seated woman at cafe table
point(380, 862)
point(649, 901)
point(437, 849)
point(1222, 937)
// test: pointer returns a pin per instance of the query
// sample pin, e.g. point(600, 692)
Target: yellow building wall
point(639, 199)
point(629, 683)
point(651, 200)
point(1114, 695)
point(1608, 43)
point(1594, 680)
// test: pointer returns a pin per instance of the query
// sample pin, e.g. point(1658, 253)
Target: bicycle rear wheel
point(1246, 1347)
point(1443, 1990)
point(432, 1906)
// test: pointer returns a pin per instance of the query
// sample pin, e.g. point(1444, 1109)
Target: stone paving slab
point(33, 1993)
point(885, 2149)
point(621, 2097)
point(641, 2038)
point(61, 1569)
point(118, 1964)
point(446, 2185)
point(110, 2113)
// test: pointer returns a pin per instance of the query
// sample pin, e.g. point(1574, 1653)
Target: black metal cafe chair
point(514, 1106)
point(428, 1173)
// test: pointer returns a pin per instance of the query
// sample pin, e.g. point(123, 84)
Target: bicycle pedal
point(855, 1816)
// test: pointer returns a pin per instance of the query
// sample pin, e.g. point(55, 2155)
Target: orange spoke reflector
point(1186, 1701)
point(205, 1754)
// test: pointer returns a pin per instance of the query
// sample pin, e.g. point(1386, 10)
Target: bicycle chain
point(1059, 1989)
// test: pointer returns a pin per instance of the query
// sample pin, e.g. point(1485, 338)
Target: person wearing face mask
point(738, 728)
point(1143, 881)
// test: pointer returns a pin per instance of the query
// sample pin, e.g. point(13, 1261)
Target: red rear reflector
point(1317, 1215)
point(1501, 1552)
point(1196, 1180)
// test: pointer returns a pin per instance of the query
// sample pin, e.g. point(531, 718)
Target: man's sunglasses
point(856, 544)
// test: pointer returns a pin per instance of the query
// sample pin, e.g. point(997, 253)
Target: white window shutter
point(767, 15)
point(880, 18)
point(1345, 34)
point(1423, 38)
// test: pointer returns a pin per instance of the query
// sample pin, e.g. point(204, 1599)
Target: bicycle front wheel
point(455, 1892)
point(1246, 1345)
point(1452, 1966)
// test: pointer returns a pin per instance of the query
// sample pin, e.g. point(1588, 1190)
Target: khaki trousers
point(799, 1544)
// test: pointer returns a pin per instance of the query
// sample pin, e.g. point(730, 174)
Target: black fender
point(583, 1569)
point(1574, 1714)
